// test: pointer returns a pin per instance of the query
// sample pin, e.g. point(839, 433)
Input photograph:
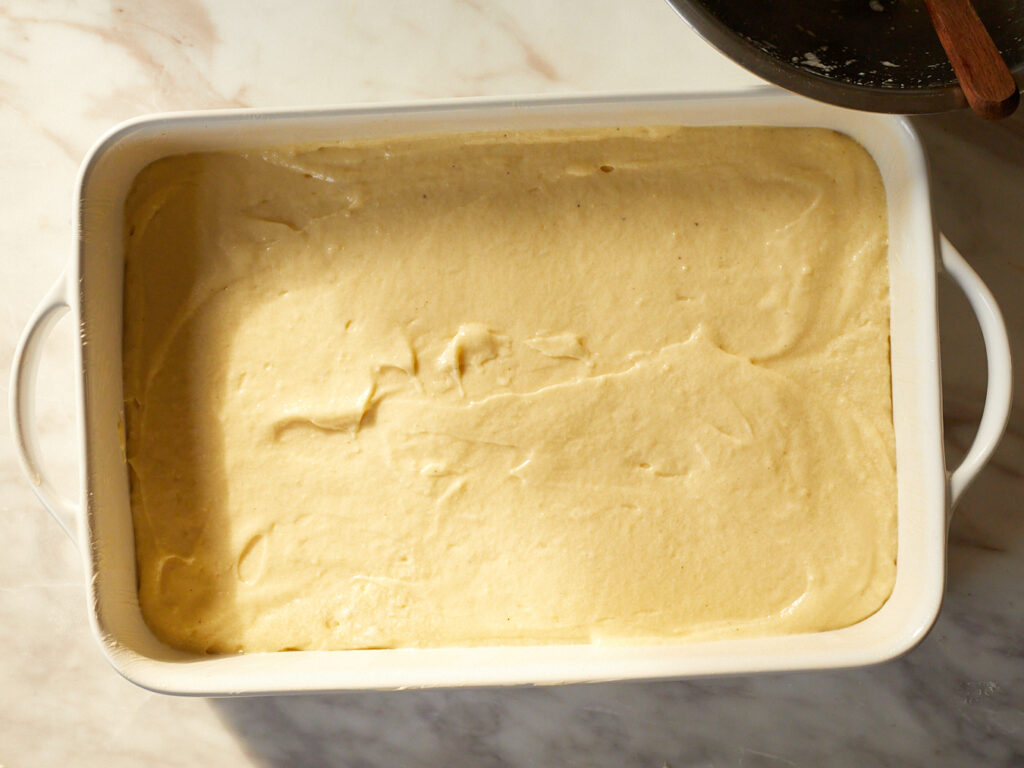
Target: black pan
point(875, 55)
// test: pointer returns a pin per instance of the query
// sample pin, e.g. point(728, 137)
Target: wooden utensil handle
point(986, 80)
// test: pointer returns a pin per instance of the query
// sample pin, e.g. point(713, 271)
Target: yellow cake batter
point(554, 387)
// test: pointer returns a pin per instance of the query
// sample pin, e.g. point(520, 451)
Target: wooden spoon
point(984, 77)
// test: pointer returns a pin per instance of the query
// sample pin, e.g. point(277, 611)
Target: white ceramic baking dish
point(100, 520)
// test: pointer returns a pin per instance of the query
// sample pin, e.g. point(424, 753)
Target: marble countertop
point(73, 68)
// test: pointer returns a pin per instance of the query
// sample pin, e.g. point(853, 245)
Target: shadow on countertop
point(978, 197)
point(958, 699)
point(955, 701)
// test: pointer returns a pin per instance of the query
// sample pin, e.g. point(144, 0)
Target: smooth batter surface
point(603, 386)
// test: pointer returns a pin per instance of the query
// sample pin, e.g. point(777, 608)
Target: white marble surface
point(72, 69)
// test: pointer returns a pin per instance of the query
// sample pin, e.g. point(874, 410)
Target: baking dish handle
point(1000, 376)
point(22, 405)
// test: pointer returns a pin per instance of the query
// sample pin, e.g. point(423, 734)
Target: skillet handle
point(22, 406)
point(1000, 377)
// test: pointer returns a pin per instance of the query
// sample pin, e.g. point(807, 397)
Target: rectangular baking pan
point(100, 520)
